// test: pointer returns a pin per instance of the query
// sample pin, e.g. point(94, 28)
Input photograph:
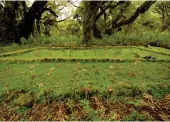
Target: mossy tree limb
point(140, 10)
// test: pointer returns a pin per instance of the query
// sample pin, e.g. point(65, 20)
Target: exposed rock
point(149, 58)
point(147, 45)
point(24, 100)
point(12, 94)
point(126, 84)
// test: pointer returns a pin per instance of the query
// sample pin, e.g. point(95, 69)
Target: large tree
point(18, 20)
point(163, 9)
point(91, 8)
point(8, 20)
point(94, 10)
point(25, 26)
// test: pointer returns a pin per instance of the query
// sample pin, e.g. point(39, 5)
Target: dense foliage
point(40, 21)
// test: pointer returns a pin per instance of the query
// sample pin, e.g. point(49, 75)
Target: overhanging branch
point(108, 6)
point(140, 10)
point(51, 11)
point(63, 19)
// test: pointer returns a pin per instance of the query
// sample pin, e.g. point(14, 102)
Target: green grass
point(124, 53)
point(66, 77)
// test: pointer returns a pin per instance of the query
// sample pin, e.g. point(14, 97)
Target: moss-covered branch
point(140, 10)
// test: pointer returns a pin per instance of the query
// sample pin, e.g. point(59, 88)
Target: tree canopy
point(91, 19)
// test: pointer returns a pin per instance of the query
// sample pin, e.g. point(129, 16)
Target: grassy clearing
point(80, 90)
point(67, 77)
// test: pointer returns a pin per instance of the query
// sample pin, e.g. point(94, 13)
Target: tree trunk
point(96, 31)
point(89, 18)
point(25, 27)
point(9, 20)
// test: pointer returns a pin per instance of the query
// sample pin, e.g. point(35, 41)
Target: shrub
point(134, 38)
point(133, 91)
point(133, 116)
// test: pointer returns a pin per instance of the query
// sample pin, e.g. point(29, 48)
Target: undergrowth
point(117, 39)
point(89, 108)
